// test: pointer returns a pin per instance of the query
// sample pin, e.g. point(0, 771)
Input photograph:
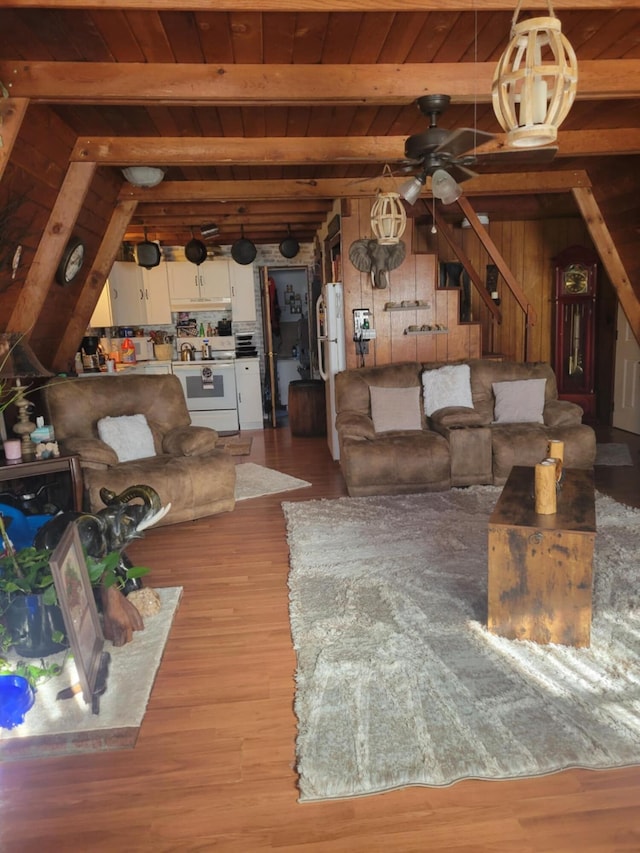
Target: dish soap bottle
point(128, 351)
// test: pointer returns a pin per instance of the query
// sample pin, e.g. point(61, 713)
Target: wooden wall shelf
point(428, 332)
point(414, 307)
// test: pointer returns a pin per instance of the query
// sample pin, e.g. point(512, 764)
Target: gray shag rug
point(398, 681)
point(254, 481)
point(614, 454)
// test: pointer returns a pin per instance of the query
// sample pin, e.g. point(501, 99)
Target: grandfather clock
point(576, 271)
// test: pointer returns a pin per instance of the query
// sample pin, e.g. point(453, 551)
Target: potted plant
point(28, 600)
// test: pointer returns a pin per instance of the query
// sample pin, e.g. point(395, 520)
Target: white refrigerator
point(331, 351)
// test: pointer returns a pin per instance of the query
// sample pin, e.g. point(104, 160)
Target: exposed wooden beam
point(93, 284)
point(12, 113)
point(609, 256)
point(288, 150)
point(258, 84)
point(331, 188)
point(49, 252)
point(323, 6)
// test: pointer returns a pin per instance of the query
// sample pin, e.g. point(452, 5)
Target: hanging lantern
point(388, 218)
point(535, 81)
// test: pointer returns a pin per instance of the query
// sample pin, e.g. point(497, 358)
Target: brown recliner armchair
point(187, 470)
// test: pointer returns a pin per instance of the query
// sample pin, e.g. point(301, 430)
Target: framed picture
point(75, 596)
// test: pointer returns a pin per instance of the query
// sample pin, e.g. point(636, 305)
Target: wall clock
point(574, 352)
point(71, 262)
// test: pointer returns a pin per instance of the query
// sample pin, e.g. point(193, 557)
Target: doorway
point(626, 400)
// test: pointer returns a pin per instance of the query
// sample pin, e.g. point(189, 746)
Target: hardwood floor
point(213, 768)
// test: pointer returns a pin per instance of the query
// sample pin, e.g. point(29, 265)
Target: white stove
point(209, 384)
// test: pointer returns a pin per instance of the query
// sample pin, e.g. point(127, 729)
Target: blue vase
point(16, 698)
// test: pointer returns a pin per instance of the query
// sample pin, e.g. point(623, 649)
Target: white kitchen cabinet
point(139, 296)
point(126, 291)
point(243, 299)
point(102, 316)
point(249, 392)
point(156, 296)
point(193, 287)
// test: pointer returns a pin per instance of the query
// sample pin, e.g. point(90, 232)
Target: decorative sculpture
point(111, 529)
point(377, 259)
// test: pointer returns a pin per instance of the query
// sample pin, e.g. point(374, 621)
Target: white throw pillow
point(447, 386)
point(395, 408)
point(128, 435)
point(519, 401)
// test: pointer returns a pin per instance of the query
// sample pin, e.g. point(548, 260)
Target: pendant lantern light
point(535, 81)
point(388, 216)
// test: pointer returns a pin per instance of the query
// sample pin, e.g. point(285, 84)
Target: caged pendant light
point(535, 81)
point(388, 216)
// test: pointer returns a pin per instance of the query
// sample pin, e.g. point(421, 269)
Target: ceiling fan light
point(535, 82)
point(388, 218)
point(143, 176)
point(444, 187)
point(410, 189)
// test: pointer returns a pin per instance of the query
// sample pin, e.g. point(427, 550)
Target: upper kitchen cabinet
point(243, 299)
point(139, 296)
point(203, 287)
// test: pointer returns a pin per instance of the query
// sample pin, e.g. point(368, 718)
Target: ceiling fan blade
point(460, 173)
point(463, 139)
point(509, 157)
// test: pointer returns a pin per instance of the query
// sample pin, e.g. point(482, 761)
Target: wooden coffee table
point(540, 566)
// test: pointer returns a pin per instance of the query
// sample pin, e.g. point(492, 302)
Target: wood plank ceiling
point(263, 112)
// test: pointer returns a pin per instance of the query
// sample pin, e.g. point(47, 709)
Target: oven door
point(208, 386)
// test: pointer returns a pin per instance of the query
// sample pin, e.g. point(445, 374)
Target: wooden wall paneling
point(351, 278)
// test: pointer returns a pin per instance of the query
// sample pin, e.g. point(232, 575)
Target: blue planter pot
point(16, 697)
point(32, 624)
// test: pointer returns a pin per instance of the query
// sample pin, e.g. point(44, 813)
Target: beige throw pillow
point(395, 408)
point(519, 401)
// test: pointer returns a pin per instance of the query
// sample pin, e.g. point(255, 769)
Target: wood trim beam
point(49, 252)
point(288, 150)
point(510, 280)
point(609, 256)
point(325, 6)
point(94, 282)
point(12, 113)
point(331, 188)
point(199, 84)
point(447, 232)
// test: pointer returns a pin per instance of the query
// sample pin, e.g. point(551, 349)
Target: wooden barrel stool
point(307, 407)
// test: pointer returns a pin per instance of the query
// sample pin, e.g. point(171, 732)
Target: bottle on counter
point(128, 351)
point(201, 330)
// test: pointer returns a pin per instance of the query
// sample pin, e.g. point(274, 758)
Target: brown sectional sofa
point(185, 469)
point(456, 445)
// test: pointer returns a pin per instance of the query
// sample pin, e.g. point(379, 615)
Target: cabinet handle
point(239, 397)
point(141, 294)
point(146, 294)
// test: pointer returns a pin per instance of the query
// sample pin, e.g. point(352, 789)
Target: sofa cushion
point(128, 435)
point(455, 416)
point(395, 408)
point(190, 441)
point(519, 401)
point(447, 386)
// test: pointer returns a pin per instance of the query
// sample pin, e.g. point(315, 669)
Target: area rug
point(254, 481)
point(58, 727)
point(235, 445)
point(398, 681)
point(613, 454)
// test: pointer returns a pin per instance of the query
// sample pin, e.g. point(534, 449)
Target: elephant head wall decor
point(377, 259)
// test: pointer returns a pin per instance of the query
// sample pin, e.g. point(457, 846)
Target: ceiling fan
point(438, 148)
point(445, 155)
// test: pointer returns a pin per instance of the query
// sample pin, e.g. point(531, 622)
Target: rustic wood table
point(540, 566)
